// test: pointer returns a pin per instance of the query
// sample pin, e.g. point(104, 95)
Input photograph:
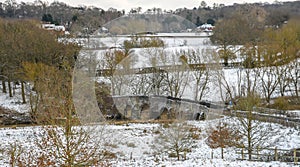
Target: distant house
point(60, 28)
point(104, 30)
point(48, 26)
point(53, 27)
point(206, 27)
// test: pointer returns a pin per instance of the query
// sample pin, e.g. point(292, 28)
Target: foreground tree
point(176, 139)
point(223, 136)
point(25, 41)
point(49, 85)
point(61, 142)
point(250, 128)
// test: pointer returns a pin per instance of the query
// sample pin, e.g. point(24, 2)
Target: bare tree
point(253, 131)
point(225, 87)
point(141, 84)
point(176, 139)
point(110, 64)
point(26, 42)
point(282, 73)
point(44, 100)
point(269, 81)
point(156, 59)
point(197, 60)
point(278, 49)
point(123, 76)
point(177, 75)
point(54, 147)
point(248, 76)
point(294, 76)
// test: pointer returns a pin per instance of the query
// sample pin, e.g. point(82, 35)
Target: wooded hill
point(79, 19)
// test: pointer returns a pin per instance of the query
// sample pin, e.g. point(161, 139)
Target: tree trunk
point(23, 92)
point(296, 88)
point(249, 135)
point(226, 62)
point(10, 89)
point(4, 87)
point(197, 88)
point(222, 152)
point(14, 88)
point(249, 153)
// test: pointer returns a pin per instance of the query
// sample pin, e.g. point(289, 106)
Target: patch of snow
point(13, 103)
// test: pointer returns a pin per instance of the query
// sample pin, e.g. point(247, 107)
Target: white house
point(206, 27)
point(48, 26)
point(59, 28)
point(54, 27)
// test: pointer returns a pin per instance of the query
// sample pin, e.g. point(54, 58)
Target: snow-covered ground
point(170, 39)
point(13, 103)
point(133, 145)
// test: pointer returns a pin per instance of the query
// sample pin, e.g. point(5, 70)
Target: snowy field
point(170, 39)
point(134, 145)
point(13, 103)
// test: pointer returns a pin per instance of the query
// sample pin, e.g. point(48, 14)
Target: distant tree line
point(88, 19)
point(75, 19)
point(275, 13)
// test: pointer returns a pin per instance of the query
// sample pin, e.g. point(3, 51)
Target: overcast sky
point(147, 4)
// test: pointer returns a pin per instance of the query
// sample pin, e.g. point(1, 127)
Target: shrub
point(175, 140)
point(281, 103)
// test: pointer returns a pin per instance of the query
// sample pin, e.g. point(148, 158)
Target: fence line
point(270, 154)
point(280, 119)
point(165, 68)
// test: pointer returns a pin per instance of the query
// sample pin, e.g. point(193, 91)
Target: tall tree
point(25, 41)
point(196, 61)
point(254, 132)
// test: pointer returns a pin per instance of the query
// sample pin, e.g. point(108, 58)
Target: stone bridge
point(159, 107)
